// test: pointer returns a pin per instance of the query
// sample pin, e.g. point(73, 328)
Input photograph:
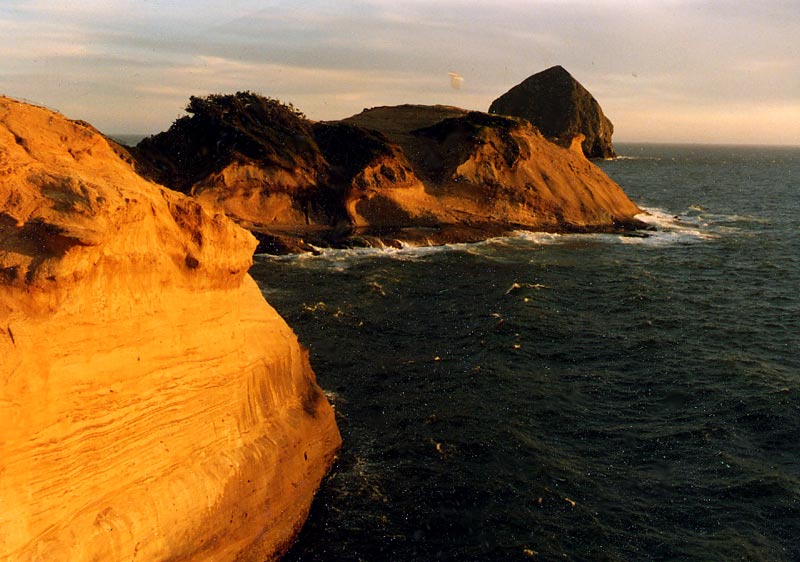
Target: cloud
point(330, 92)
point(142, 59)
point(71, 9)
point(19, 42)
point(788, 67)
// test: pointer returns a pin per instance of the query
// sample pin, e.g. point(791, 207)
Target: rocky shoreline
point(156, 405)
point(312, 240)
point(384, 175)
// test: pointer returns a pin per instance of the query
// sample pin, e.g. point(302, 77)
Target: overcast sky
point(663, 70)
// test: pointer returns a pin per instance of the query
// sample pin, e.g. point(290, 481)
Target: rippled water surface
point(572, 397)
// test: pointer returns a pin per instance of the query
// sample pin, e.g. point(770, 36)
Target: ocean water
point(576, 397)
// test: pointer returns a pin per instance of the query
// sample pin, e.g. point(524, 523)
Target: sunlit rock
point(154, 406)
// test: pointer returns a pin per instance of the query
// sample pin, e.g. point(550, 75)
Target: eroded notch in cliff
point(50, 239)
point(310, 398)
point(192, 262)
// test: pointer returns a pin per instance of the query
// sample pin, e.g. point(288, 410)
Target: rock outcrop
point(481, 169)
point(561, 108)
point(254, 156)
point(275, 172)
point(428, 174)
point(154, 406)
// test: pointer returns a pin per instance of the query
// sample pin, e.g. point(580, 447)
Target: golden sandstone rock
point(153, 406)
point(408, 173)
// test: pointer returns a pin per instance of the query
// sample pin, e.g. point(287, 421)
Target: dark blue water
point(569, 397)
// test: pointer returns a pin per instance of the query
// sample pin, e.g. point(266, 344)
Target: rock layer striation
point(154, 406)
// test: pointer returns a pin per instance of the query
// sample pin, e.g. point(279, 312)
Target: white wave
point(668, 229)
point(515, 287)
point(623, 157)
point(341, 258)
point(542, 238)
point(671, 229)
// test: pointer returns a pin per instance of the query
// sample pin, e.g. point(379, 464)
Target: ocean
point(568, 397)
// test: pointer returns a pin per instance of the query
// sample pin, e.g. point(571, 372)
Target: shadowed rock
point(561, 108)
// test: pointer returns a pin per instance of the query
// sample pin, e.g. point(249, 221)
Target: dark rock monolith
point(561, 108)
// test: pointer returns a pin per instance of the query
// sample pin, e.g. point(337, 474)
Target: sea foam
point(668, 229)
point(341, 258)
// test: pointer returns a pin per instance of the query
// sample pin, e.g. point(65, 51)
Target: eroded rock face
point(277, 173)
point(480, 168)
point(561, 108)
point(154, 406)
point(426, 174)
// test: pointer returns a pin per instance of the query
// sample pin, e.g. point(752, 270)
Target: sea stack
point(561, 108)
point(154, 405)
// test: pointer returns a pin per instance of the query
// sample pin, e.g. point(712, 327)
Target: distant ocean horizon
point(132, 139)
point(570, 397)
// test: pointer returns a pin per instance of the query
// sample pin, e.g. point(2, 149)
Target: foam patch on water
point(671, 229)
point(693, 226)
point(623, 157)
point(735, 219)
point(341, 258)
point(667, 229)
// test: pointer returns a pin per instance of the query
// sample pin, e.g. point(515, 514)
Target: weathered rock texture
point(486, 169)
point(254, 156)
point(427, 174)
point(277, 173)
point(561, 108)
point(153, 405)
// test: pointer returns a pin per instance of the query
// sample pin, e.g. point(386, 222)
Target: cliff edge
point(154, 406)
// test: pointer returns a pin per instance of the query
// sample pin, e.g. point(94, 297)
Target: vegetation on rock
point(223, 128)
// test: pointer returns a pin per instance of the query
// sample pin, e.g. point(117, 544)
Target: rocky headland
point(154, 406)
point(561, 108)
point(410, 173)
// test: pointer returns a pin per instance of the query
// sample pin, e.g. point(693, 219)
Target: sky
point(663, 70)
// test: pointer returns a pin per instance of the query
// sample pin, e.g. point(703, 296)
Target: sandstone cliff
point(154, 406)
point(254, 156)
point(481, 168)
point(277, 173)
point(561, 108)
point(427, 174)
